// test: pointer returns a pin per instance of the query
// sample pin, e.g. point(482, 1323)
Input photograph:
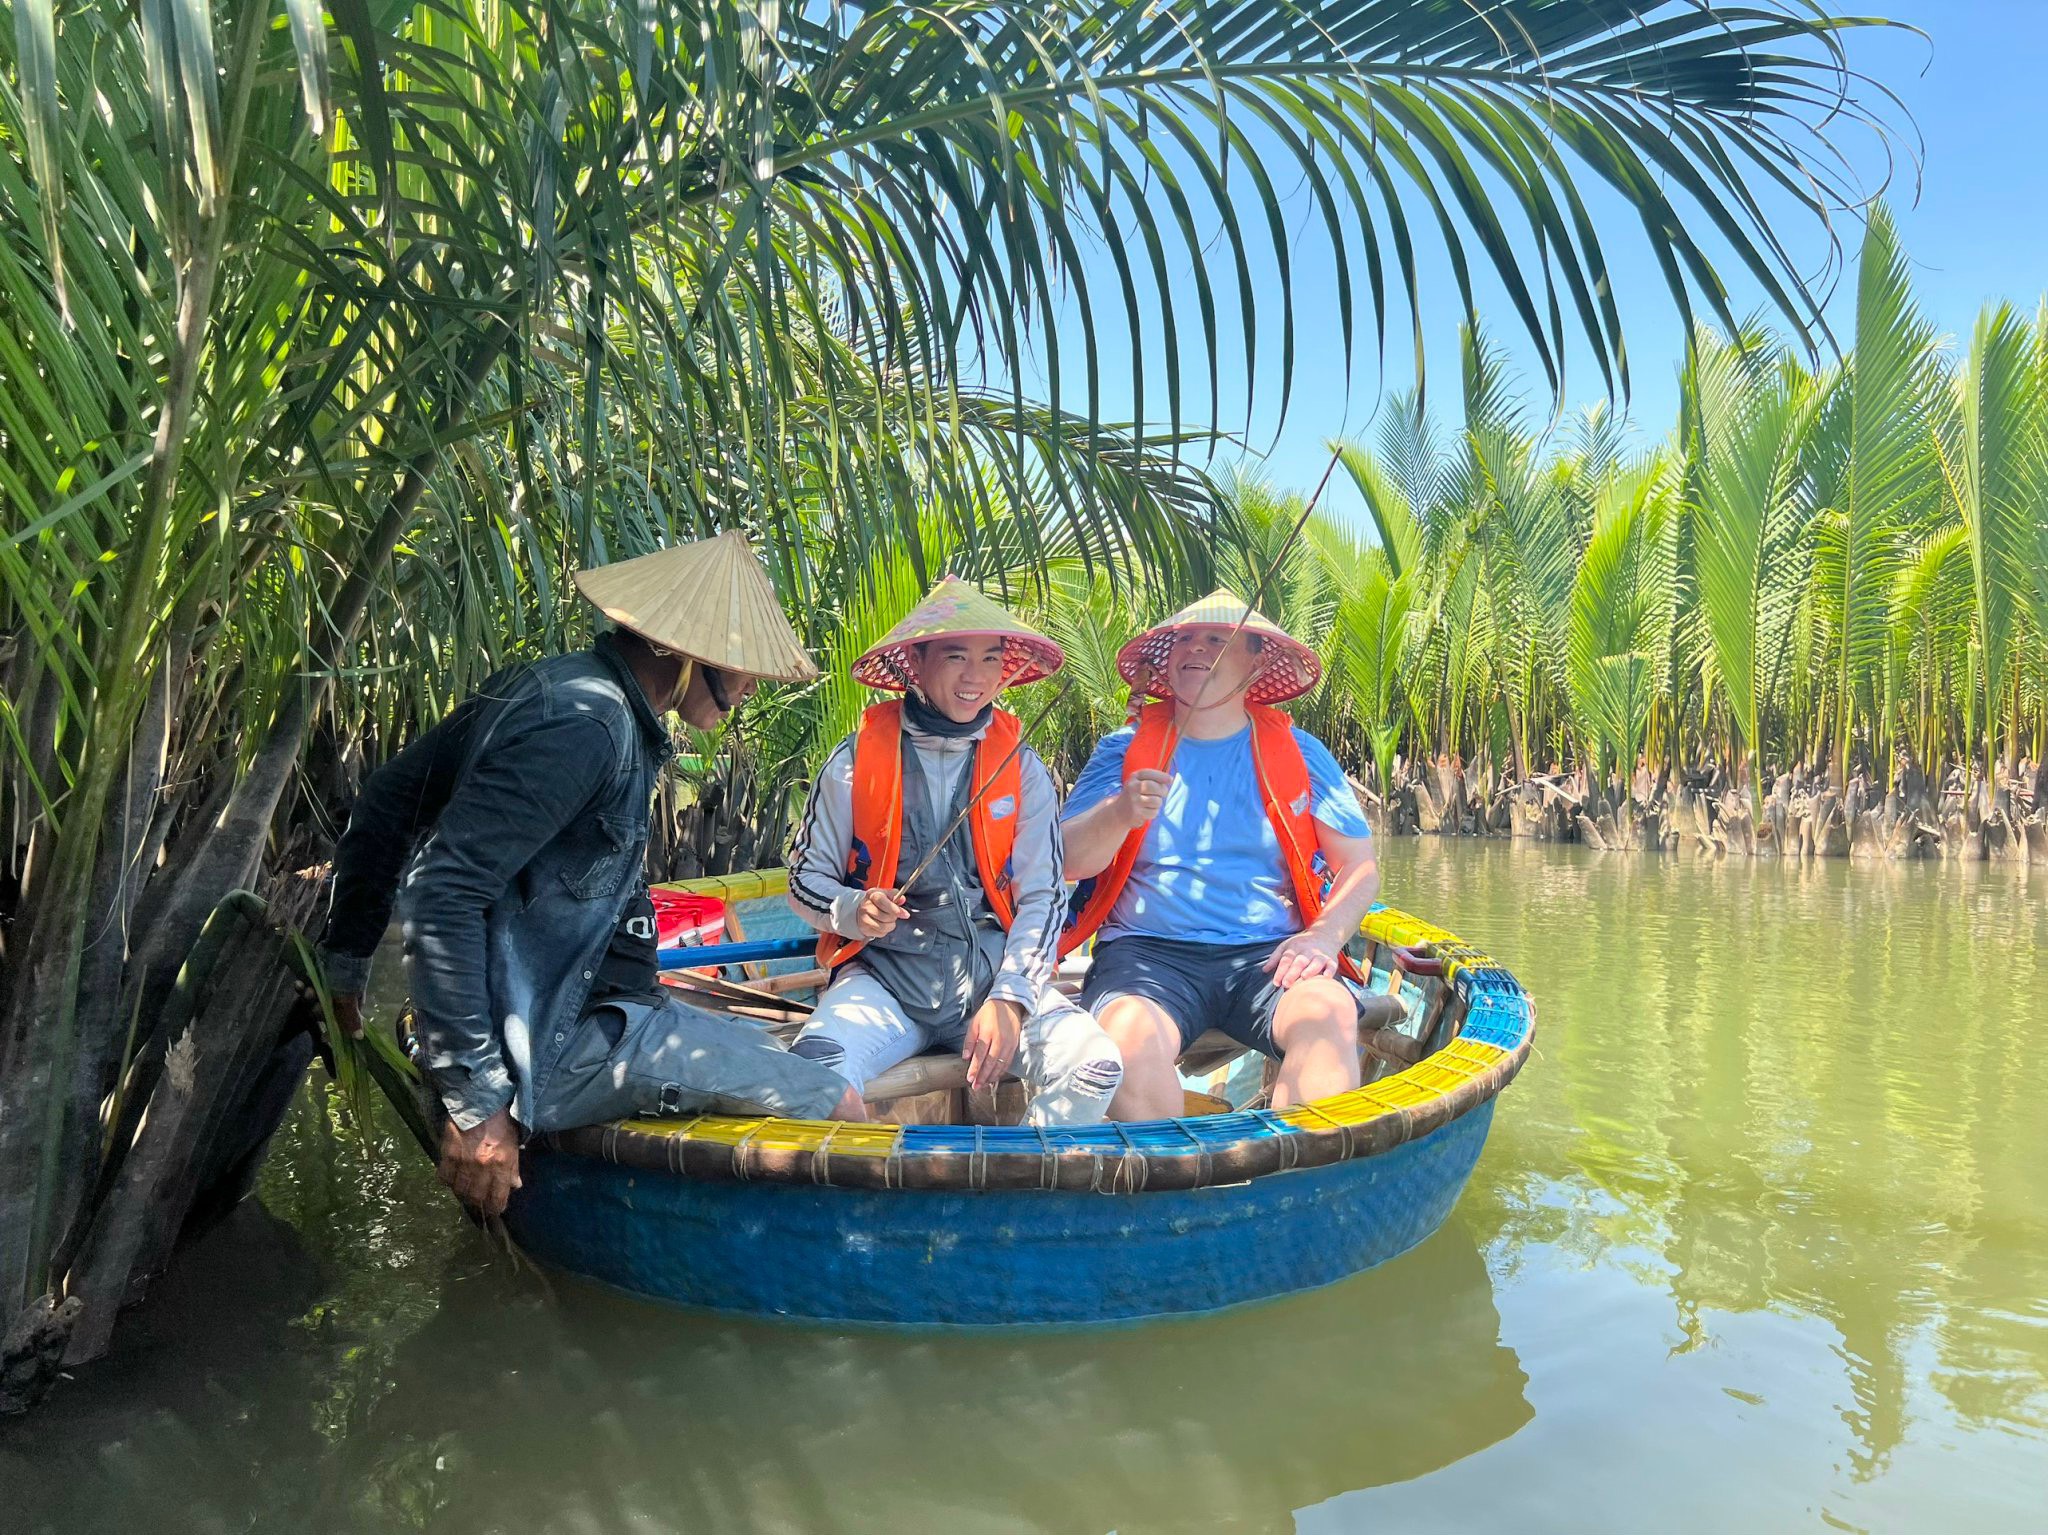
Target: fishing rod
point(1258, 592)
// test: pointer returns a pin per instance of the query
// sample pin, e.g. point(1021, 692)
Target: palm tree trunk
point(46, 1158)
point(38, 1122)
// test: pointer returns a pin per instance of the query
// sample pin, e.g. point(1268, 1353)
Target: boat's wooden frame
point(1472, 1037)
point(987, 1225)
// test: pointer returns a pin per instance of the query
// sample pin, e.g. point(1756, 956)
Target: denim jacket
point(532, 802)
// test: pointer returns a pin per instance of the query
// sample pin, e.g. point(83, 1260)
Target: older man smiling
point(1224, 861)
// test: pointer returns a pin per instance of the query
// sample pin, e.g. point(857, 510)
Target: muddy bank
point(1802, 817)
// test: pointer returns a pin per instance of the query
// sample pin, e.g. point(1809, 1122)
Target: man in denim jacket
point(520, 824)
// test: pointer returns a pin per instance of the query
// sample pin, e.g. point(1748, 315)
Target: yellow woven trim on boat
point(1355, 1107)
point(1477, 1051)
point(813, 1134)
point(750, 885)
point(678, 1128)
point(783, 1134)
point(1325, 1114)
point(756, 884)
point(1442, 1072)
point(718, 1129)
point(1456, 1063)
point(1400, 1091)
point(865, 1140)
point(1402, 930)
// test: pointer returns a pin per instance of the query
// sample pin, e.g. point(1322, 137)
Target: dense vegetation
point(1827, 565)
point(1820, 565)
point(333, 336)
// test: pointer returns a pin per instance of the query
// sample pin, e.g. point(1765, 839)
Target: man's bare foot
point(852, 1107)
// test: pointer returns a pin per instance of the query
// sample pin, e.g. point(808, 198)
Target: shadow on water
point(386, 1372)
point(1759, 1241)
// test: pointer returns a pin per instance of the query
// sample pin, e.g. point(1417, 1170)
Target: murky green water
point(1760, 1242)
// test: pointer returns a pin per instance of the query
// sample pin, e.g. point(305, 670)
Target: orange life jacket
point(1283, 786)
point(878, 813)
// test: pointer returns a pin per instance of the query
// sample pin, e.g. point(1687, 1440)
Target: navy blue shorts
point(1200, 986)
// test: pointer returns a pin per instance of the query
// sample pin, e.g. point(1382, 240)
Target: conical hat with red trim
point(954, 609)
point(710, 600)
point(1287, 668)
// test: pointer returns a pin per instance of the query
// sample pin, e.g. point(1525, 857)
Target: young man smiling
point(1224, 859)
point(965, 956)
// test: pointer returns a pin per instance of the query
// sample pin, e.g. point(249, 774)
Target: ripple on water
point(1759, 1241)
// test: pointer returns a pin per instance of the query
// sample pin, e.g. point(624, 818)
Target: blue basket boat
point(940, 1224)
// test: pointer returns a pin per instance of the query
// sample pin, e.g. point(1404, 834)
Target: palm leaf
point(1750, 522)
point(35, 43)
point(1992, 457)
point(1875, 468)
point(1374, 628)
point(1616, 610)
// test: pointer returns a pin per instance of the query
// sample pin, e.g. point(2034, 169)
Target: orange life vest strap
point(878, 814)
point(1284, 788)
point(1151, 746)
point(997, 808)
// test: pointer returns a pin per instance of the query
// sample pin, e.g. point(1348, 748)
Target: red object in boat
point(682, 917)
point(1415, 962)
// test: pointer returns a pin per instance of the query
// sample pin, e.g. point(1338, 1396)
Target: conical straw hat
point(956, 610)
point(1287, 670)
point(710, 600)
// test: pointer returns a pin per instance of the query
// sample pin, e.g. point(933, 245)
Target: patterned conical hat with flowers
point(1287, 668)
point(956, 610)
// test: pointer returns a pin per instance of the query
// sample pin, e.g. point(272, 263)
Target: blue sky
point(1977, 230)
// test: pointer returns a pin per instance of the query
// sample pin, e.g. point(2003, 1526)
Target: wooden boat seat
point(939, 1071)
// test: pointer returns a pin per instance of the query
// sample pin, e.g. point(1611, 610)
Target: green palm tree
point(1090, 618)
point(1933, 613)
point(1750, 522)
point(1521, 556)
point(1375, 626)
point(1620, 615)
point(389, 315)
point(2038, 562)
point(1994, 458)
point(1530, 547)
point(1876, 474)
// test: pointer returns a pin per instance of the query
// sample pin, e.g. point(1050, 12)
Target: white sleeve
point(1031, 955)
point(817, 859)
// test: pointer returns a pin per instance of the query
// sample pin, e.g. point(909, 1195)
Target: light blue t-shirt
point(1209, 869)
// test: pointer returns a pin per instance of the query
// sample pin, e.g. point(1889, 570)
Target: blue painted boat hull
point(987, 1259)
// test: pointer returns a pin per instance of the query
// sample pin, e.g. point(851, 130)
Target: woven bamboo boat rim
point(1496, 1027)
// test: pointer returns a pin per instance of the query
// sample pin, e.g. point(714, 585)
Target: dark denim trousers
point(638, 1056)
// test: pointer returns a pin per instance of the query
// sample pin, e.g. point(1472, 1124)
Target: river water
point(1760, 1242)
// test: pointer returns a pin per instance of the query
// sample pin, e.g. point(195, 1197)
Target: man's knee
point(822, 1048)
point(1139, 1028)
point(1315, 1009)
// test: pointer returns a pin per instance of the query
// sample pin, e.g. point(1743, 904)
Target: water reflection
point(390, 1373)
point(1809, 1089)
point(1759, 1241)
point(643, 1416)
